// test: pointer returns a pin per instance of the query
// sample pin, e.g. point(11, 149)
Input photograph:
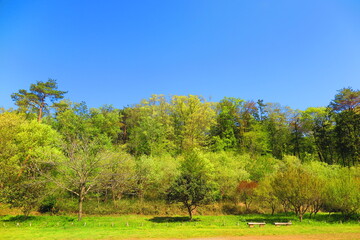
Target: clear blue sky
point(297, 53)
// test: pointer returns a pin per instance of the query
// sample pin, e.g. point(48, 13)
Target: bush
point(343, 193)
point(49, 205)
point(230, 208)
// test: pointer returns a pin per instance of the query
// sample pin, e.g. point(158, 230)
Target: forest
point(171, 155)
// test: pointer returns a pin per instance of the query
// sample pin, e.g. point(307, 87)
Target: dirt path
point(339, 236)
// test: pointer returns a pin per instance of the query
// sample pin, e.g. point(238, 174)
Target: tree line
point(182, 149)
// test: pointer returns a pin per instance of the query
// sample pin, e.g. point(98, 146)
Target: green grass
point(137, 226)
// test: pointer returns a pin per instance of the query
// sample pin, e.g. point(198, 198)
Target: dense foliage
point(183, 149)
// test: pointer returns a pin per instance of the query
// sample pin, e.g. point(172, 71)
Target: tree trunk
point(81, 200)
point(40, 113)
point(80, 208)
point(41, 109)
point(285, 207)
point(247, 206)
point(190, 212)
point(273, 210)
point(98, 199)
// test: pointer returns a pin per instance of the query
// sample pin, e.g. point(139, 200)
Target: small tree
point(296, 186)
point(229, 170)
point(23, 193)
point(81, 169)
point(119, 177)
point(194, 186)
point(265, 194)
point(246, 190)
point(155, 175)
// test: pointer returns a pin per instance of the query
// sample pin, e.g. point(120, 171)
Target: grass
point(145, 227)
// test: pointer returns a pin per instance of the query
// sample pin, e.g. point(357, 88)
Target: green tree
point(323, 173)
point(154, 175)
point(225, 132)
point(84, 165)
point(194, 186)
point(266, 196)
point(295, 185)
point(347, 132)
point(10, 124)
point(37, 99)
point(24, 192)
point(87, 137)
point(238, 127)
point(260, 167)
point(253, 132)
point(75, 121)
point(72, 120)
point(192, 118)
point(30, 144)
point(148, 137)
point(256, 140)
point(277, 127)
point(118, 178)
point(229, 170)
point(105, 121)
point(343, 191)
point(346, 108)
point(148, 127)
point(318, 129)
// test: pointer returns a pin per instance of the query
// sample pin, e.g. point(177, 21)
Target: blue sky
point(297, 53)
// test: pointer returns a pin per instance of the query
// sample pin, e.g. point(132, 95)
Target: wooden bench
point(282, 223)
point(252, 224)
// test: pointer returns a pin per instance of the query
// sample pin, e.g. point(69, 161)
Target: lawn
point(145, 227)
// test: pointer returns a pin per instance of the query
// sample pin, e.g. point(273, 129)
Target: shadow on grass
point(281, 217)
point(269, 221)
point(268, 218)
point(19, 218)
point(334, 218)
point(172, 219)
point(48, 219)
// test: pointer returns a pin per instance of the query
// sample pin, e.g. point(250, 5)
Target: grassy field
point(145, 227)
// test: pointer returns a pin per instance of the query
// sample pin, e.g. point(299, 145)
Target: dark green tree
point(225, 132)
point(277, 127)
point(37, 99)
point(194, 186)
point(347, 133)
point(346, 109)
point(318, 132)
